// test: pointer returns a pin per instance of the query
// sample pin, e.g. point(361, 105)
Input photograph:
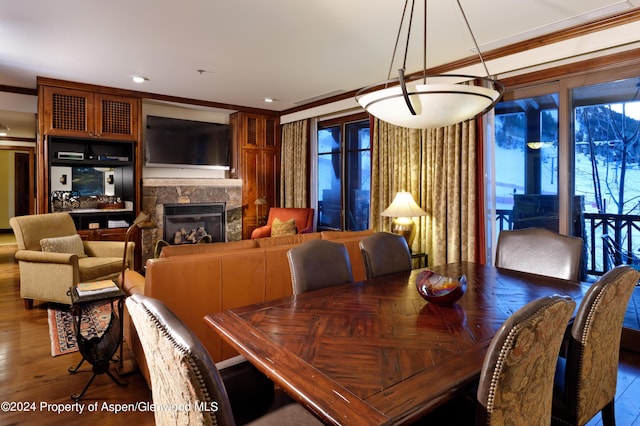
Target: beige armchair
point(52, 257)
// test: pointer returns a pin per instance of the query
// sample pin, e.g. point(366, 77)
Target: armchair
point(47, 274)
point(302, 216)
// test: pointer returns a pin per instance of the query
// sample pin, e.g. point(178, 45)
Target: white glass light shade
point(436, 105)
point(403, 205)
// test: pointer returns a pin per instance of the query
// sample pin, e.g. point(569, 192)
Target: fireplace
point(191, 223)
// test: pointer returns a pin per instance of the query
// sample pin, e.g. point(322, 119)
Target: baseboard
point(630, 339)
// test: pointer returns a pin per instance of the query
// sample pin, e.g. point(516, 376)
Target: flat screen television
point(172, 142)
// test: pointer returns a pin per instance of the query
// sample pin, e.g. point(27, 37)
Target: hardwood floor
point(30, 375)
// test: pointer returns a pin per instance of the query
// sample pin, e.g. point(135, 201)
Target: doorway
point(19, 184)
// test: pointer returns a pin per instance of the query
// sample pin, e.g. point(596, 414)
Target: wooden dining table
point(374, 352)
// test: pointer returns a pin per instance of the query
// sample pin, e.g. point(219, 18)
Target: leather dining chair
point(183, 374)
point(516, 380)
point(317, 264)
point(540, 251)
point(385, 253)
point(587, 373)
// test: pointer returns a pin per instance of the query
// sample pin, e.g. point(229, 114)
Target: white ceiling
point(294, 51)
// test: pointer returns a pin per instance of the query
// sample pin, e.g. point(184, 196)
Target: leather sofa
point(197, 279)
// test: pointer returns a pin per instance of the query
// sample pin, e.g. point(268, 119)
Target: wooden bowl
point(438, 289)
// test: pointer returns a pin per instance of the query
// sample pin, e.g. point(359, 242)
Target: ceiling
point(239, 52)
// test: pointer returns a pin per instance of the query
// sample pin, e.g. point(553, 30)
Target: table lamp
point(260, 218)
point(403, 208)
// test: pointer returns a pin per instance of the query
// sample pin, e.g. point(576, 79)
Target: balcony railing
point(624, 230)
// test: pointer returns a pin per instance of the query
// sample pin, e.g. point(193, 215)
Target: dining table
point(374, 352)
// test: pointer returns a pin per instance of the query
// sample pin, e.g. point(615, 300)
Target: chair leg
point(608, 414)
point(28, 304)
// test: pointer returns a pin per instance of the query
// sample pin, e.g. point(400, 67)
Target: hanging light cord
point(475, 43)
point(395, 47)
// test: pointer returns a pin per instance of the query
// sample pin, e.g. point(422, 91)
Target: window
point(526, 172)
point(583, 180)
point(344, 174)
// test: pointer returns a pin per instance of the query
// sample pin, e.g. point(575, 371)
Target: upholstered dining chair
point(587, 373)
point(52, 257)
point(183, 374)
point(540, 251)
point(385, 253)
point(516, 380)
point(319, 263)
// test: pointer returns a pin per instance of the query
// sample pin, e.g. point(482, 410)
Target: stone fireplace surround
point(157, 192)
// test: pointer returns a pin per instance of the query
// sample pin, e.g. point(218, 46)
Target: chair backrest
point(516, 382)
point(302, 216)
point(319, 263)
point(540, 251)
point(593, 351)
point(30, 229)
point(181, 370)
point(385, 253)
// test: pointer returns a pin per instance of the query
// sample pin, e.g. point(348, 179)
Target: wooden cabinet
point(257, 160)
point(79, 113)
point(89, 152)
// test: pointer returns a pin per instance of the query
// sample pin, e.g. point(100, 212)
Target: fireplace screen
point(194, 223)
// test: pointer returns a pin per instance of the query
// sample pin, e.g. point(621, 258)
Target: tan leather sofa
point(195, 280)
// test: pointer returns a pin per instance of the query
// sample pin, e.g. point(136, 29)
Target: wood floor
point(30, 377)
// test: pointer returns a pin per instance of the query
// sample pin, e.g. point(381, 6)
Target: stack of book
point(96, 287)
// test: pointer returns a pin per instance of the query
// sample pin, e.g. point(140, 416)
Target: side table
point(99, 351)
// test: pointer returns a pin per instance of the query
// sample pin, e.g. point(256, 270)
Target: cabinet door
point(251, 170)
point(116, 117)
point(250, 129)
point(269, 171)
point(68, 112)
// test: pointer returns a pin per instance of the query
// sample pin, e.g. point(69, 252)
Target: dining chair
point(587, 373)
point(317, 264)
point(184, 375)
point(385, 253)
point(540, 251)
point(516, 380)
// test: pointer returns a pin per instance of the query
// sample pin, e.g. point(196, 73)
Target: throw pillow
point(71, 244)
point(279, 227)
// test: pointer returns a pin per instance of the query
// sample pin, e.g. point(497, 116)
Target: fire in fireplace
point(193, 223)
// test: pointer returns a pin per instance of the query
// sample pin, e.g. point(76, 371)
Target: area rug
point(95, 319)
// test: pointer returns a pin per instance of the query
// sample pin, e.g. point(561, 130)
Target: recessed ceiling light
point(139, 79)
point(269, 100)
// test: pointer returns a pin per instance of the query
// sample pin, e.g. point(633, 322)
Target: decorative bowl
point(439, 289)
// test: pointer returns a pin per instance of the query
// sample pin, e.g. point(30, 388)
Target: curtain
point(294, 165)
point(439, 168)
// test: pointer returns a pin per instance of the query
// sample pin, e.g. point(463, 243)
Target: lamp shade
point(435, 105)
point(403, 205)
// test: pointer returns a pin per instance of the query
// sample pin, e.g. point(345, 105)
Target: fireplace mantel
point(156, 192)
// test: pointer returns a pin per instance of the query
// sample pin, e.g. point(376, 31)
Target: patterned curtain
point(439, 168)
point(294, 164)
